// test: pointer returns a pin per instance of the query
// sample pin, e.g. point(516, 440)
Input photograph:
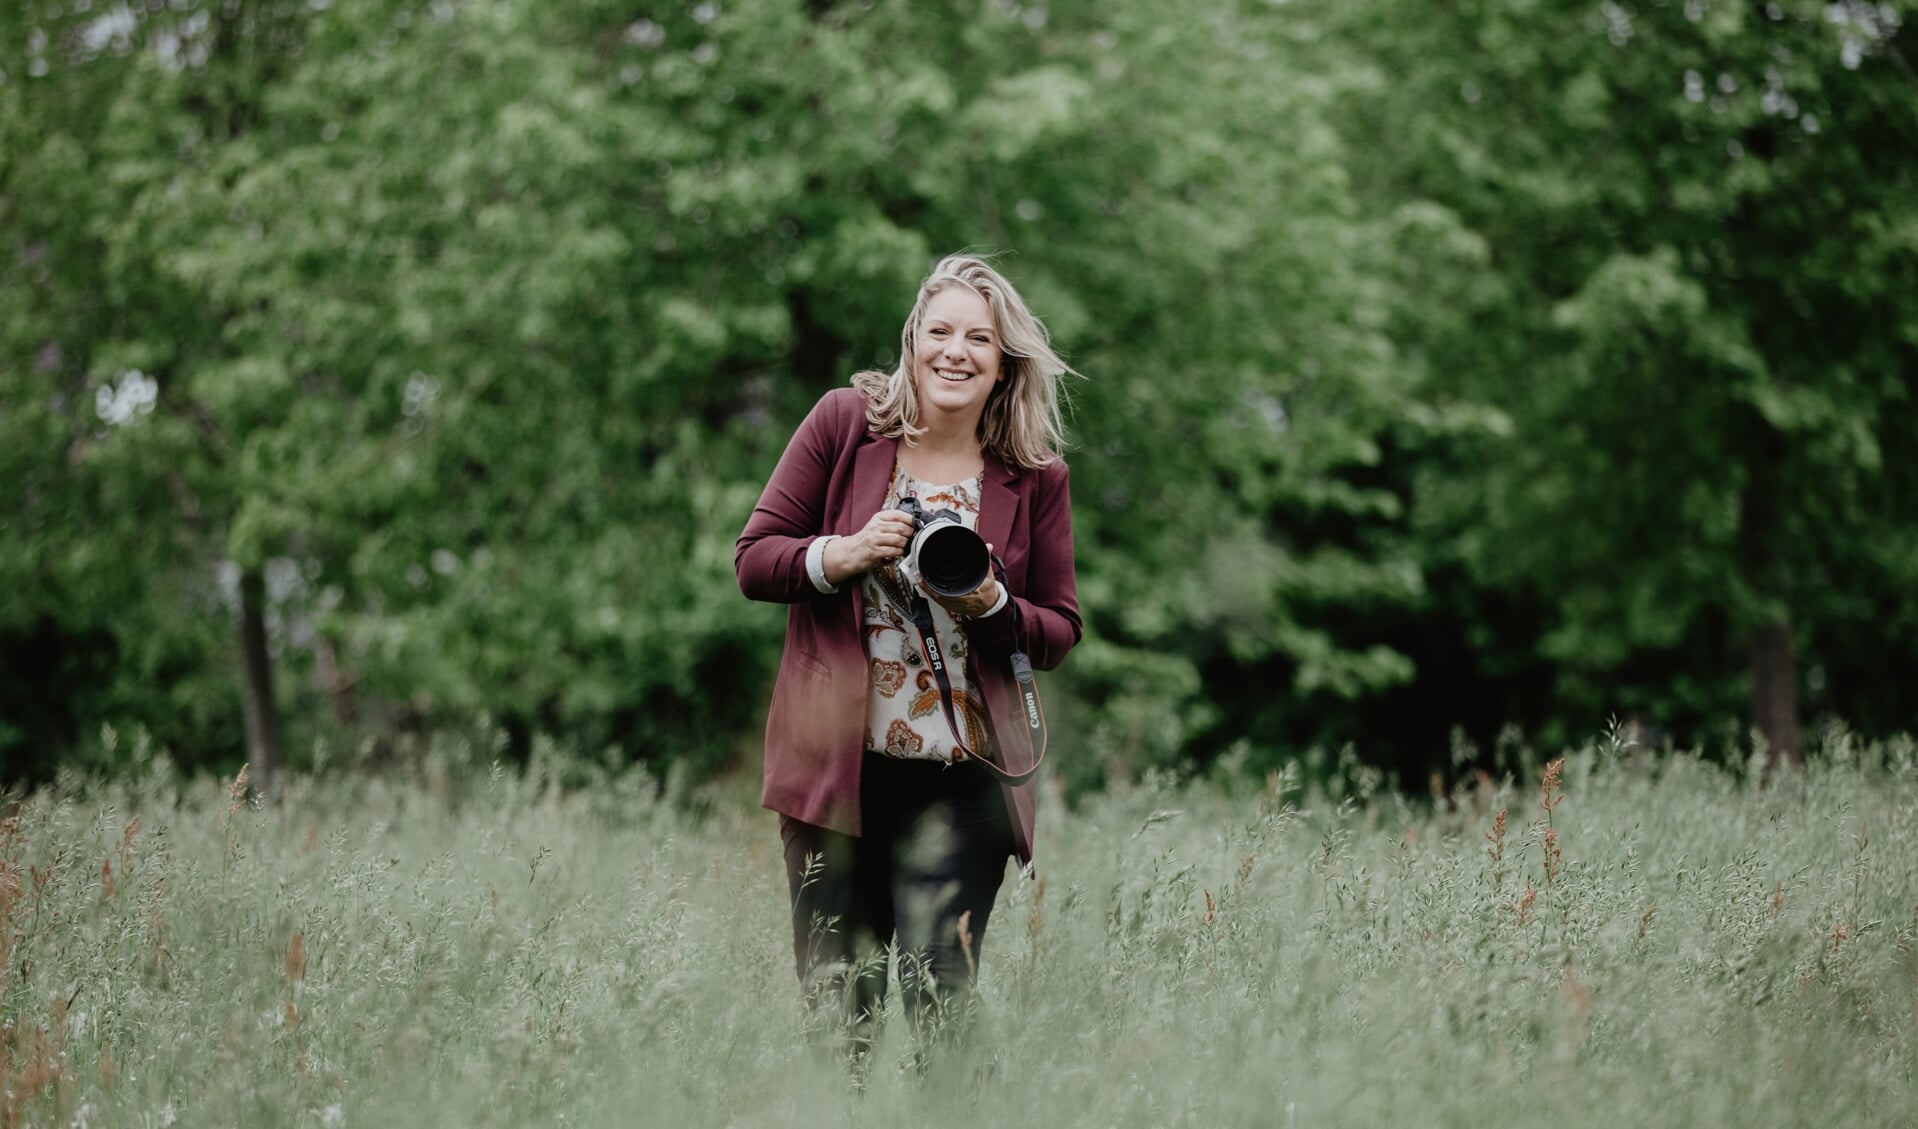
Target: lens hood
point(951, 559)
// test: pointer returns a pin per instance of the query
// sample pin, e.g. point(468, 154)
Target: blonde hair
point(1023, 424)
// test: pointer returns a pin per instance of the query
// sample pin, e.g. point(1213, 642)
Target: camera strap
point(1035, 718)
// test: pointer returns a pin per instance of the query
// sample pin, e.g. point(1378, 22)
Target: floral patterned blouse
point(904, 716)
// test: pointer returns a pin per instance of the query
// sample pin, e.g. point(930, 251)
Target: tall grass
point(1643, 942)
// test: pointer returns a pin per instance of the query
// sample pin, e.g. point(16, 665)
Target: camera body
point(951, 559)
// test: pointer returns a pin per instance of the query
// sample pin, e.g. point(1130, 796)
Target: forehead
point(959, 305)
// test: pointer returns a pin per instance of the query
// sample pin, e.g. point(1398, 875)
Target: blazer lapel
point(872, 465)
point(998, 504)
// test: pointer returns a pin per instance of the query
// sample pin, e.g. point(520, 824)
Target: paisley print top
point(904, 717)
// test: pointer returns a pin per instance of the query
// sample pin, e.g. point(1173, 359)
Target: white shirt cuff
point(816, 563)
point(1005, 598)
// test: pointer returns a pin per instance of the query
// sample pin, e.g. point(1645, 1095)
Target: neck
point(949, 437)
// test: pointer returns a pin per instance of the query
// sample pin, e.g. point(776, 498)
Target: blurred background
point(1460, 378)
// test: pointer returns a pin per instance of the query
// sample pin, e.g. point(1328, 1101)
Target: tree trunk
point(1774, 673)
point(262, 716)
point(1774, 669)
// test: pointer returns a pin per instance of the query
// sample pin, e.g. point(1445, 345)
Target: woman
point(893, 834)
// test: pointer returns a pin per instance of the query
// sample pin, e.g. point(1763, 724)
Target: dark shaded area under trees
point(375, 369)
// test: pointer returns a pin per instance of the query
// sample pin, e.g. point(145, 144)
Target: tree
point(466, 334)
point(422, 362)
point(1679, 244)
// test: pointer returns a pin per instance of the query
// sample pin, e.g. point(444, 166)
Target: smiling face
point(956, 356)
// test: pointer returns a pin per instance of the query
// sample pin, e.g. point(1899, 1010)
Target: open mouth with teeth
point(953, 375)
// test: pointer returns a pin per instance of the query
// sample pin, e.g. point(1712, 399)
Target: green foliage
point(479, 327)
point(1467, 365)
point(466, 948)
point(1672, 237)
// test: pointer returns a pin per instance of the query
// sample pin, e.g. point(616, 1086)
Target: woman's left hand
point(972, 605)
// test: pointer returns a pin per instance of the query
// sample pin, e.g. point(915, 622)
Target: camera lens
point(952, 559)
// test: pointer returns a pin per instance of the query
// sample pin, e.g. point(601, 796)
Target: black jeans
point(923, 877)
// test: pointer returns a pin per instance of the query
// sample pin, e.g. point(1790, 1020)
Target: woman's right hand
point(885, 537)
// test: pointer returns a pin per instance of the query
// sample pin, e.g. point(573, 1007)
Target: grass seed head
point(1525, 902)
point(1036, 918)
point(1496, 836)
point(1549, 795)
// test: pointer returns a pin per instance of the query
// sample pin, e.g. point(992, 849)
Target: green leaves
point(1421, 345)
point(1674, 320)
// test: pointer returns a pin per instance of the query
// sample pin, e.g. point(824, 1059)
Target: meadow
point(1611, 939)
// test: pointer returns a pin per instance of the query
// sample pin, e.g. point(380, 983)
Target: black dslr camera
point(950, 558)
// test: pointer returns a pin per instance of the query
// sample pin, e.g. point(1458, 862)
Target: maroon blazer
point(832, 478)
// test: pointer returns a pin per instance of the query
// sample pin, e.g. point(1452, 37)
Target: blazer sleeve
point(770, 556)
point(1045, 616)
